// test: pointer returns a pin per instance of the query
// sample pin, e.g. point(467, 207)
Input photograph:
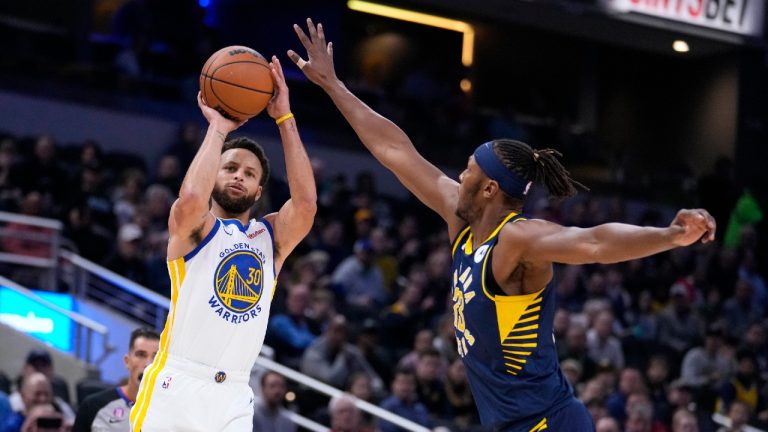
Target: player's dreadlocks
point(540, 166)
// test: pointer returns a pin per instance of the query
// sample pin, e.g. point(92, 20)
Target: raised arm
point(190, 218)
point(295, 218)
point(541, 241)
point(387, 142)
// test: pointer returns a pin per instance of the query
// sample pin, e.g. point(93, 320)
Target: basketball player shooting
point(223, 268)
point(502, 262)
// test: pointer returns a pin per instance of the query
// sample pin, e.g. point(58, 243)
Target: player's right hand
point(319, 66)
point(214, 117)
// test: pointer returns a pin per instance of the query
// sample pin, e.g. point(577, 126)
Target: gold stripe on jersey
point(517, 318)
point(177, 271)
point(468, 244)
point(540, 426)
point(457, 242)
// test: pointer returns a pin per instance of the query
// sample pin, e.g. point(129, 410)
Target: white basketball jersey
point(221, 294)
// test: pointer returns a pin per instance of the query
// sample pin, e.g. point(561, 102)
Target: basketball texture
point(237, 82)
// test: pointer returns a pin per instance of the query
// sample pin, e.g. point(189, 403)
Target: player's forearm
point(301, 180)
point(379, 135)
point(201, 175)
point(616, 242)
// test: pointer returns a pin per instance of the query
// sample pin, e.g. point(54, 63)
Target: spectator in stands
point(755, 341)
point(109, 410)
point(705, 367)
point(656, 375)
point(91, 192)
point(639, 419)
point(127, 260)
point(269, 415)
point(602, 345)
point(345, 416)
point(382, 246)
point(331, 359)
point(461, 404)
point(169, 173)
point(607, 424)
point(185, 147)
point(630, 382)
point(39, 360)
point(290, 333)
point(128, 196)
point(423, 342)
point(332, 243)
point(35, 390)
point(404, 402)
point(745, 386)
point(575, 347)
point(321, 310)
point(430, 385)
point(374, 355)
point(684, 421)
point(43, 172)
point(360, 280)
point(680, 326)
point(741, 309)
point(401, 317)
point(738, 414)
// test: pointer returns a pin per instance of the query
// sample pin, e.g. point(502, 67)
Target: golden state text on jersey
point(238, 284)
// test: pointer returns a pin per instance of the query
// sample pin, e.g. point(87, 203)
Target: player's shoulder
point(525, 227)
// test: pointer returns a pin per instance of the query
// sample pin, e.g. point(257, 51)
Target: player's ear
point(258, 193)
point(491, 188)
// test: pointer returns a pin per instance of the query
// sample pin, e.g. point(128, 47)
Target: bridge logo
point(239, 281)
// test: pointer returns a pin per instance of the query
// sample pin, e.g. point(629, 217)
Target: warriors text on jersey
point(220, 301)
point(506, 341)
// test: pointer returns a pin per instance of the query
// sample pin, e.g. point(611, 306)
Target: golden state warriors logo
point(239, 281)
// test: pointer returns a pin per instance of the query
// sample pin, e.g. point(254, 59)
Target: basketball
point(236, 81)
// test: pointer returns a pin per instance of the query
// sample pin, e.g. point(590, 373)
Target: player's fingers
point(300, 62)
point(312, 30)
point(320, 34)
point(278, 67)
point(200, 101)
point(302, 37)
point(329, 49)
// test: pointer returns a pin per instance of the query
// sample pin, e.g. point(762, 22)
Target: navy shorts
point(571, 417)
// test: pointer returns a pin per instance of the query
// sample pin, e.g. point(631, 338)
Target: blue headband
point(511, 183)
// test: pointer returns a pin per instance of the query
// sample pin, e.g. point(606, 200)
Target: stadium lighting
point(468, 43)
point(680, 46)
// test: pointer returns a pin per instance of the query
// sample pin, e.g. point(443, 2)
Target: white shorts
point(187, 397)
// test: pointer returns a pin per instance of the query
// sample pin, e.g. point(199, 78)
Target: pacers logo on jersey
point(238, 286)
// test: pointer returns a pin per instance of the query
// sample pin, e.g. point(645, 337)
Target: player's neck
point(489, 220)
point(222, 214)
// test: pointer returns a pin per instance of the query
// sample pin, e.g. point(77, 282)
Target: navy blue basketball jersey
point(506, 341)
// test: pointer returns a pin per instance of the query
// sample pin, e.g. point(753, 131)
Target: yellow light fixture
point(680, 46)
point(466, 85)
point(468, 43)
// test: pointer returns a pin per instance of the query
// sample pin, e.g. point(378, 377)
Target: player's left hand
point(280, 104)
point(691, 225)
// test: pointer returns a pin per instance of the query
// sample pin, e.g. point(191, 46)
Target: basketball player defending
point(502, 263)
point(223, 269)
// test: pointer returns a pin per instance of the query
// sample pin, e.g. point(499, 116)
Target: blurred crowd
point(651, 345)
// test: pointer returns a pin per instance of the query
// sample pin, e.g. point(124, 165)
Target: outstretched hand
point(692, 225)
point(223, 124)
point(280, 104)
point(319, 66)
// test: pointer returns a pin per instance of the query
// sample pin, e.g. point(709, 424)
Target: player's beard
point(232, 205)
point(464, 207)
